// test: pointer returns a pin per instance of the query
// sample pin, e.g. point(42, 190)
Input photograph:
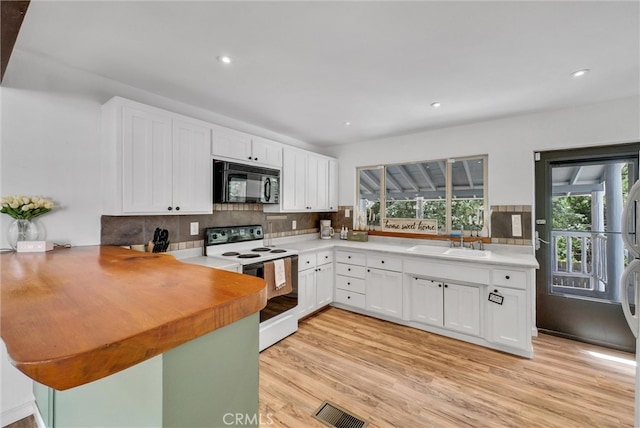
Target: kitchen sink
point(428, 249)
point(468, 253)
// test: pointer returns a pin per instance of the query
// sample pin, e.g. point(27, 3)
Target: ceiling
point(303, 69)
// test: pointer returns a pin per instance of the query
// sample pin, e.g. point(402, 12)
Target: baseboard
point(20, 412)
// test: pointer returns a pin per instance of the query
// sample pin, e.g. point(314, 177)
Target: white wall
point(509, 143)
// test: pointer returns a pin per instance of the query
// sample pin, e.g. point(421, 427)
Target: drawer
point(306, 261)
point(324, 257)
point(351, 270)
point(352, 258)
point(348, 283)
point(350, 298)
point(383, 262)
point(510, 278)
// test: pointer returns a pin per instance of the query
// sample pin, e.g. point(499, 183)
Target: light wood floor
point(395, 376)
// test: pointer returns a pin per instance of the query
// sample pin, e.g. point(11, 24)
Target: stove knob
point(214, 236)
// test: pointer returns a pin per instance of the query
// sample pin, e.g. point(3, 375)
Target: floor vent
point(334, 416)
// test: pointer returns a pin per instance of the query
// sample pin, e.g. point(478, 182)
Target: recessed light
point(580, 73)
point(224, 59)
point(347, 124)
point(436, 104)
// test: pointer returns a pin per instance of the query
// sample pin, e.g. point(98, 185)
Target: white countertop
point(510, 255)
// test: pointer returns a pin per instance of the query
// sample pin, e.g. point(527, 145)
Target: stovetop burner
point(231, 253)
point(248, 256)
point(261, 249)
point(279, 250)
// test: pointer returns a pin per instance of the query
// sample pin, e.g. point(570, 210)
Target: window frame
point(449, 162)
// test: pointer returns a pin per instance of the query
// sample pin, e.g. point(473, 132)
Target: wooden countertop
point(72, 316)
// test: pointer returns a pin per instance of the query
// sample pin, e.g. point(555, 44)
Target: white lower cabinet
point(324, 284)
point(384, 292)
point(306, 292)
point(444, 304)
point(426, 301)
point(315, 281)
point(462, 308)
point(506, 322)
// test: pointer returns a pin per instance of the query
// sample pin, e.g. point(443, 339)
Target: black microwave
point(250, 184)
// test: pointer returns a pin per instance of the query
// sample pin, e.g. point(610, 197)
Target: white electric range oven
point(245, 245)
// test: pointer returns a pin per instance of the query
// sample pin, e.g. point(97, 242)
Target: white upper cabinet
point(154, 161)
point(246, 148)
point(333, 185)
point(266, 152)
point(305, 182)
point(191, 175)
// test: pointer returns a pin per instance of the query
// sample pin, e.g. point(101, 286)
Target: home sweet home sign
point(424, 226)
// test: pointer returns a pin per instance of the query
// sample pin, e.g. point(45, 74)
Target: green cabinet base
point(206, 382)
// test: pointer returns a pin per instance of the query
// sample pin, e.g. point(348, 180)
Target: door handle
point(539, 240)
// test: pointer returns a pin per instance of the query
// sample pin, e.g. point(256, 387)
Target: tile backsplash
point(501, 231)
point(131, 230)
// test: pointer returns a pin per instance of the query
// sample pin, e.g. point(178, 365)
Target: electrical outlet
point(195, 228)
point(347, 213)
point(294, 224)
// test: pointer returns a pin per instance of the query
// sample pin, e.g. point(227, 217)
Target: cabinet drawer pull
point(177, 208)
point(382, 261)
point(348, 283)
point(506, 277)
point(348, 257)
point(349, 269)
point(348, 297)
point(308, 261)
point(169, 208)
point(495, 291)
point(368, 270)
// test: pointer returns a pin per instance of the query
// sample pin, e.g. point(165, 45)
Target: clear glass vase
point(21, 230)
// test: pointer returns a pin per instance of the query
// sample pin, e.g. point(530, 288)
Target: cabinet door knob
point(308, 262)
point(177, 208)
point(439, 285)
point(169, 208)
point(348, 257)
point(255, 159)
point(495, 291)
point(368, 270)
point(249, 157)
point(349, 269)
point(446, 286)
point(348, 297)
point(348, 283)
point(382, 261)
point(506, 276)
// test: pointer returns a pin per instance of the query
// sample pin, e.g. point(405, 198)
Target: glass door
point(579, 200)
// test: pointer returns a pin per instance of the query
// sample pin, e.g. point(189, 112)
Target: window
point(450, 191)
